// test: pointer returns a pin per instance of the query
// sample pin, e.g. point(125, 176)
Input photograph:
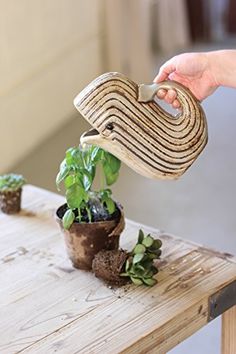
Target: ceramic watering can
point(127, 122)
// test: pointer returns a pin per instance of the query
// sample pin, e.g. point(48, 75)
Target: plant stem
point(79, 214)
point(89, 214)
point(102, 178)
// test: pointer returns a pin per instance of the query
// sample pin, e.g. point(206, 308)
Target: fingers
point(167, 71)
point(170, 96)
point(161, 94)
point(176, 104)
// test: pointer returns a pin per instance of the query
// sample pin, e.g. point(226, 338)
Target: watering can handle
point(146, 93)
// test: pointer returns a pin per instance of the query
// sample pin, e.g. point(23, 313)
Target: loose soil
point(107, 265)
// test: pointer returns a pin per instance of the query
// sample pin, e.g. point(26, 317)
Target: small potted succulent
point(90, 219)
point(117, 267)
point(10, 193)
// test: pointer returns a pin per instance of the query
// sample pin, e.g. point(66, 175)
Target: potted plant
point(90, 219)
point(118, 267)
point(10, 193)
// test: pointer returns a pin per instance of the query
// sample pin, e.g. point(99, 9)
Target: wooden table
point(46, 306)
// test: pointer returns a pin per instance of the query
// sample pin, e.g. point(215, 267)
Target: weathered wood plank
point(228, 344)
point(143, 319)
point(48, 306)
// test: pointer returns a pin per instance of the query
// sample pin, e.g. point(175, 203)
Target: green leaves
point(139, 248)
point(105, 196)
point(138, 257)
point(68, 219)
point(157, 244)
point(75, 195)
point(77, 173)
point(136, 281)
point(140, 265)
point(111, 167)
point(96, 154)
point(148, 241)
point(140, 236)
point(149, 281)
point(64, 171)
point(87, 179)
point(11, 182)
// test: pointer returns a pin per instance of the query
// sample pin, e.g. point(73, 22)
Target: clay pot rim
point(119, 206)
point(2, 191)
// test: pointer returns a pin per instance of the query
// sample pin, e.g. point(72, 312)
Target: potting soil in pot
point(10, 201)
point(97, 214)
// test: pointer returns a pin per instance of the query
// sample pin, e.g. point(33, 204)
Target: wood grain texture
point(229, 332)
point(142, 134)
point(47, 306)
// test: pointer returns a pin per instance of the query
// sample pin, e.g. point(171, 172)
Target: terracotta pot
point(10, 201)
point(84, 240)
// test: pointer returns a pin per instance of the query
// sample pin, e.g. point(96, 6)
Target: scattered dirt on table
point(27, 213)
point(20, 251)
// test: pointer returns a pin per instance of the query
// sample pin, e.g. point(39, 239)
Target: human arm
point(202, 73)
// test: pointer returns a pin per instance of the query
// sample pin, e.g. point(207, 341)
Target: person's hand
point(193, 70)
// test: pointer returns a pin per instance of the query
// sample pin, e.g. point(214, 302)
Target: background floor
point(200, 206)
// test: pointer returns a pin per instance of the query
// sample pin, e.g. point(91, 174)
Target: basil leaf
point(75, 194)
point(109, 175)
point(68, 219)
point(112, 161)
point(64, 171)
point(87, 179)
point(96, 154)
point(110, 204)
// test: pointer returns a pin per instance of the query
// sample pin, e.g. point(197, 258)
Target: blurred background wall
point(51, 49)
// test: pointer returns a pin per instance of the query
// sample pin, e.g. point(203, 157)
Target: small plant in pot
point(10, 193)
point(91, 220)
point(118, 267)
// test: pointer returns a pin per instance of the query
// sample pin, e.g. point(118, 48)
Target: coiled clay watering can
point(127, 122)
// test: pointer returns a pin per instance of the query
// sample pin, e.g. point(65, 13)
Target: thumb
point(165, 70)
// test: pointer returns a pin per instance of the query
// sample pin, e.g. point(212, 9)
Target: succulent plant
point(139, 266)
point(11, 182)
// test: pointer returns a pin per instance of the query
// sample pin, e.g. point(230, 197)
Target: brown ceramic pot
point(84, 240)
point(10, 201)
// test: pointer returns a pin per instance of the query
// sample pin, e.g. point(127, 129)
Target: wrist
point(215, 69)
point(222, 64)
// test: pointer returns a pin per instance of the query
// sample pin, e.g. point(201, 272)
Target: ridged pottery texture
point(128, 123)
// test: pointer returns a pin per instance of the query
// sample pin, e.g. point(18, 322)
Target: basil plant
point(77, 173)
